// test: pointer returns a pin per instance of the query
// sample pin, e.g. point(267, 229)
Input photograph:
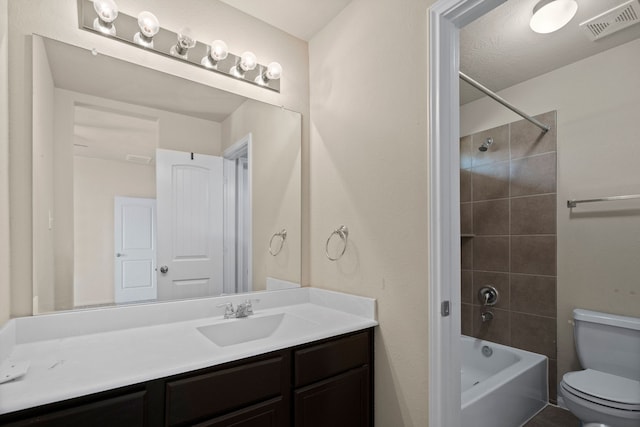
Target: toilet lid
point(604, 386)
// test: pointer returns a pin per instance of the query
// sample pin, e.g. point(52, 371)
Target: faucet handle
point(228, 309)
point(248, 304)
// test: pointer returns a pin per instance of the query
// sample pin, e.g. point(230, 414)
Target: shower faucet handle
point(488, 295)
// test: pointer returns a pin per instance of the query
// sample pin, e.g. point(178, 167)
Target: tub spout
point(486, 316)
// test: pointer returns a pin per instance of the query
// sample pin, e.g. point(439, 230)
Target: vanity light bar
point(125, 28)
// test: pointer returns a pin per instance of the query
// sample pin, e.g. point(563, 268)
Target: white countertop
point(78, 353)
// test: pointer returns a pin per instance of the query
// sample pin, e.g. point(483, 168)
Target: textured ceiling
point(301, 18)
point(500, 50)
point(77, 69)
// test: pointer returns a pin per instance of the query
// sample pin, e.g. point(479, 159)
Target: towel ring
point(343, 233)
point(283, 236)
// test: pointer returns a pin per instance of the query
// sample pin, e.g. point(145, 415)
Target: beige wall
point(275, 181)
point(96, 184)
point(598, 103)
point(58, 20)
point(5, 294)
point(43, 179)
point(74, 219)
point(369, 172)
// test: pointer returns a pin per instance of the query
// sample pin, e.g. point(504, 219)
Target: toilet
point(607, 391)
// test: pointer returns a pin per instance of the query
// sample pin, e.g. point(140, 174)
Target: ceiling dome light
point(551, 15)
point(149, 27)
point(107, 11)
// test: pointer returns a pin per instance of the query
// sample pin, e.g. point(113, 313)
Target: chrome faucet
point(244, 309)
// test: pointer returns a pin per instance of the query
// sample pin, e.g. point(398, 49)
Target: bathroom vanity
point(313, 368)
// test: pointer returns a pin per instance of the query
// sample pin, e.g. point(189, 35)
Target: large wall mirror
point(149, 187)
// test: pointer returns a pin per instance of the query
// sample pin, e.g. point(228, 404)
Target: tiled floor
point(552, 416)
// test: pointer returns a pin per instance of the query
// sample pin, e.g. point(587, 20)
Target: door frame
point(241, 148)
point(446, 17)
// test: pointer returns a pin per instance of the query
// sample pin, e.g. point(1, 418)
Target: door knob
point(164, 269)
point(118, 255)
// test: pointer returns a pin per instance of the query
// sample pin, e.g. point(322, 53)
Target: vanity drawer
point(272, 413)
point(122, 411)
point(203, 396)
point(324, 360)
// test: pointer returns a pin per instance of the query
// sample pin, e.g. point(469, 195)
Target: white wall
point(5, 265)
point(96, 184)
point(209, 19)
point(369, 140)
point(276, 186)
point(598, 103)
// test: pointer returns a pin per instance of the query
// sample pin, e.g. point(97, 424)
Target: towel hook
point(343, 233)
point(283, 236)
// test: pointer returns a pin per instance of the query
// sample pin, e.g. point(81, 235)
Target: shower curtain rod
point(502, 101)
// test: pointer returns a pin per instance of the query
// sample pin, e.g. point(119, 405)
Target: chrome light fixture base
point(126, 27)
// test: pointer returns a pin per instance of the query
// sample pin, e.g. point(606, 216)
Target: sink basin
point(237, 331)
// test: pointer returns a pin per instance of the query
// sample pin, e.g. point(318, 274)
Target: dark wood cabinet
point(327, 383)
point(127, 410)
point(341, 401)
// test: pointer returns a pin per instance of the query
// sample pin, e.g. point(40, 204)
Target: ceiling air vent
point(134, 158)
point(613, 20)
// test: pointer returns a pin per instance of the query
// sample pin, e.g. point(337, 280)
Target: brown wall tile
point(490, 253)
point(490, 182)
point(533, 294)
point(465, 152)
point(534, 333)
point(533, 175)
point(527, 139)
point(466, 289)
point(465, 185)
point(466, 218)
point(513, 189)
point(533, 255)
point(466, 323)
point(553, 382)
point(496, 330)
point(500, 281)
point(491, 218)
point(466, 252)
point(533, 214)
point(498, 151)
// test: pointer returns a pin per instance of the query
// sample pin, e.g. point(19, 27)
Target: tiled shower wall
point(508, 226)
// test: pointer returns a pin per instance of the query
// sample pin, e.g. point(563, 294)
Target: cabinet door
point(340, 401)
point(271, 413)
point(205, 396)
point(122, 411)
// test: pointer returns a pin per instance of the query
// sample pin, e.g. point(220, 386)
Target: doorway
point(446, 17)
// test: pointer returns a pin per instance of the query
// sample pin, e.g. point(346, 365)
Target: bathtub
point(501, 386)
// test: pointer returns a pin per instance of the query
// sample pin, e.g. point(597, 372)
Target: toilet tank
point(608, 342)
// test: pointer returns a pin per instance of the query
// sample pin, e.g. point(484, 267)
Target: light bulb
point(148, 23)
point(551, 15)
point(248, 62)
point(185, 42)
point(274, 71)
point(107, 12)
point(217, 51)
point(149, 27)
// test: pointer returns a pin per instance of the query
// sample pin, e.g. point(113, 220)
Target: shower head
point(485, 145)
